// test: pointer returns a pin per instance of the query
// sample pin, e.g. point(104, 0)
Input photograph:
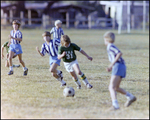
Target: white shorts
point(69, 66)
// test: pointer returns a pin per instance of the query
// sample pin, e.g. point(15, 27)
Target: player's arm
point(84, 53)
point(37, 49)
point(61, 55)
point(11, 37)
point(116, 59)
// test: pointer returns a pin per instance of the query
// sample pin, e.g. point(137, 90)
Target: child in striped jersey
point(15, 47)
point(67, 53)
point(51, 48)
point(57, 31)
point(118, 68)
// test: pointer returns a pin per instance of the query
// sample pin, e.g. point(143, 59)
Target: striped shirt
point(112, 51)
point(51, 48)
point(57, 32)
point(16, 34)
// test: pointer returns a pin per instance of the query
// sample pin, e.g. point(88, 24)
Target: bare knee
point(112, 87)
point(79, 72)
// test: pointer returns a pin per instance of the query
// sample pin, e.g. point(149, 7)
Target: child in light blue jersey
point(118, 69)
point(57, 31)
point(51, 48)
point(15, 47)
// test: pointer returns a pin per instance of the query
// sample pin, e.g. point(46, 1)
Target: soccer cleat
point(25, 72)
point(79, 87)
point(63, 85)
point(89, 86)
point(17, 65)
point(129, 101)
point(10, 72)
point(112, 108)
point(60, 75)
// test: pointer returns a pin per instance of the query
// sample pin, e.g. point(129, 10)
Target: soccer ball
point(69, 92)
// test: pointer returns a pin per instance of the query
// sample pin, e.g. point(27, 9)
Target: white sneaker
point(129, 101)
point(79, 87)
point(63, 85)
point(89, 86)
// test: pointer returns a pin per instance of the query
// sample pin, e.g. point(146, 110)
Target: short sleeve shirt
point(70, 52)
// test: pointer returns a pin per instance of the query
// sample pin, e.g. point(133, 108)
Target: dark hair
point(46, 33)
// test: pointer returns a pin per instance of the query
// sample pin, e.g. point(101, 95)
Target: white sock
point(115, 103)
point(84, 79)
point(24, 68)
point(61, 80)
point(77, 82)
point(129, 95)
point(11, 68)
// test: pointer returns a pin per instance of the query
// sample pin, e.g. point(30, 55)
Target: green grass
point(38, 95)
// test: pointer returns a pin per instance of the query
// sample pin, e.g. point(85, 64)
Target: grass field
point(38, 95)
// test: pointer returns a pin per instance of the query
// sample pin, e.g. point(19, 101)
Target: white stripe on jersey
point(17, 34)
point(57, 32)
point(112, 51)
point(51, 48)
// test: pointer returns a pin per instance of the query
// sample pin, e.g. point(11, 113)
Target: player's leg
point(75, 78)
point(7, 61)
point(57, 74)
point(13, 64)
point(114, 83)
point(11, 54)
point(82, 76)
point(23, 64)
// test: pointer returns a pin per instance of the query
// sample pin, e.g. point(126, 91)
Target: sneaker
point(63, 85)
point(112, 108)
point(10, 72)
point(89, 86)
point(25, 72)
point(60, 75)
point(129, 101)
point(16, 65)
point(79, 87)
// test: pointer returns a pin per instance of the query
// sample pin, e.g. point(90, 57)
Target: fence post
point(5, 18)
point(29, 17)
point(10, 15)
point(67, 19)
point(128, 16)
point(43, 21)
point(89, 22)
point(22, 18)
point(144, 15)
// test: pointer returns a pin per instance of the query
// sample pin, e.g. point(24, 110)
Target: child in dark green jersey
point(7, 55)
point(67, 53)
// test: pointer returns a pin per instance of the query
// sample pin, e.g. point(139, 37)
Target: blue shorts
point(54, 60)
point(16, 48)
point(119, 69)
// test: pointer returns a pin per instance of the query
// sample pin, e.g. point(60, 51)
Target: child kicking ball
point(67, 53)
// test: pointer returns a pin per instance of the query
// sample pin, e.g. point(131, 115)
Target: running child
point(57, 31)
point(67, 53)
point(118, 69)
point(51, 48)
point(6, 45)
point(15, 47)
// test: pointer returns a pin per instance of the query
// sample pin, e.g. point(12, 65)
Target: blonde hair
point(65, 39)
point(110, 36)
point(46, 33)
point(57, 22)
